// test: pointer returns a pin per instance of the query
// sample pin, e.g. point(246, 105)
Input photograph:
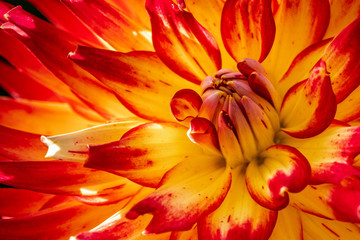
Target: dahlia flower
point(164, 119)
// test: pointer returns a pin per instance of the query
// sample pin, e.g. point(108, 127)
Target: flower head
point(215, 119)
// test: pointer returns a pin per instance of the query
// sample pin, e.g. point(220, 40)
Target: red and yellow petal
point(142, 82)
point(280, 169)
point(239, 216)
point(189, 191)
point(342, 61)
point(185, 104)
point(181, 42)
point(314, 100)
point(145, 153)
point(248, 28)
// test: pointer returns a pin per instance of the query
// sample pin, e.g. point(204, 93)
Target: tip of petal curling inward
point(52, 147)
point(74, 55)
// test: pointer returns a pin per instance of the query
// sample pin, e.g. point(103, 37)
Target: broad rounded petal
point(330, 154)
point(112, 25)
point(239, 216)
point(343, 12)
point(248, 28)
point(321, 228)
point(40, 117)
point(185, 104)
point(143, 83)
point(298, 25)
point(301, 66)
point(316, 102)
point(56, 177)
point(35, 33)
point(17, 202)
point(342, 61)
point(187, 192)
point(55, 223)
point(181, 42)
point(145, 153)
point(288, 225)
point(74, 146)
point(282, 169)
point(19, 145)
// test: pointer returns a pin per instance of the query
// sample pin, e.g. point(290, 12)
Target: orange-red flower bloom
point(211, 119)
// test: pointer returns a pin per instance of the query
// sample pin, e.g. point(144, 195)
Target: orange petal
point(57, 223)
point(191, 234)
point(16, 202)
point(314, 100)
point(145, 153)
point(35, 33)
point(112, 25)
point(238, 217)
point(342, 61)
point(345, 109)
point(281, 169)
point(288, 225)
point(298, 25)
point(40, 117)
point(55, 177)
point(143, 83)
point(187, 192)
point(181, 42)
point(18, 145)
point(248, 28)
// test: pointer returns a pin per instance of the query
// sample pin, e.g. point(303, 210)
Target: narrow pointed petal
point(145, 153)
point(341, 59)
point(332, 159)
point(17, 202)
point(301, 66)
point(339, 20)
point(316, 102)
point(288, 225)
point(248, 28)
point(74, 146)
point(19, 145)
point(283, 169)
point(187, 192)
point(35, 33)
point(55, 177)
point(185, 104)
point(55, 223)
point(40, 117)
point(143, 83)
point(181, 42)
point(112, 25)
point(238, 217)
point(299, 24)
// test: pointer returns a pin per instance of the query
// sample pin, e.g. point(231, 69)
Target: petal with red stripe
point(185, 104)
point(248, 28)
point(181, 42)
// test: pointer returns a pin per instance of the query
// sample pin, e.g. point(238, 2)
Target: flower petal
point(330, 153)
point(281, 169)
point(145, 153)
point(36, 34)
point(181, 42)
point(55, 223)
point(288, 225)
point(298, 25)
point(238, 217)
point(314, 99)
point(185, 104)
point(187, 192)
point(16, 202)
point(40, 117)
point(112, 25)
point(191, 234)
point(18, 145)
point(56, 177)
point(143, 83)
point(341, 58)
point(248, 28)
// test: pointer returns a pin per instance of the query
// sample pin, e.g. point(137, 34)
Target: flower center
point(242, 107)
